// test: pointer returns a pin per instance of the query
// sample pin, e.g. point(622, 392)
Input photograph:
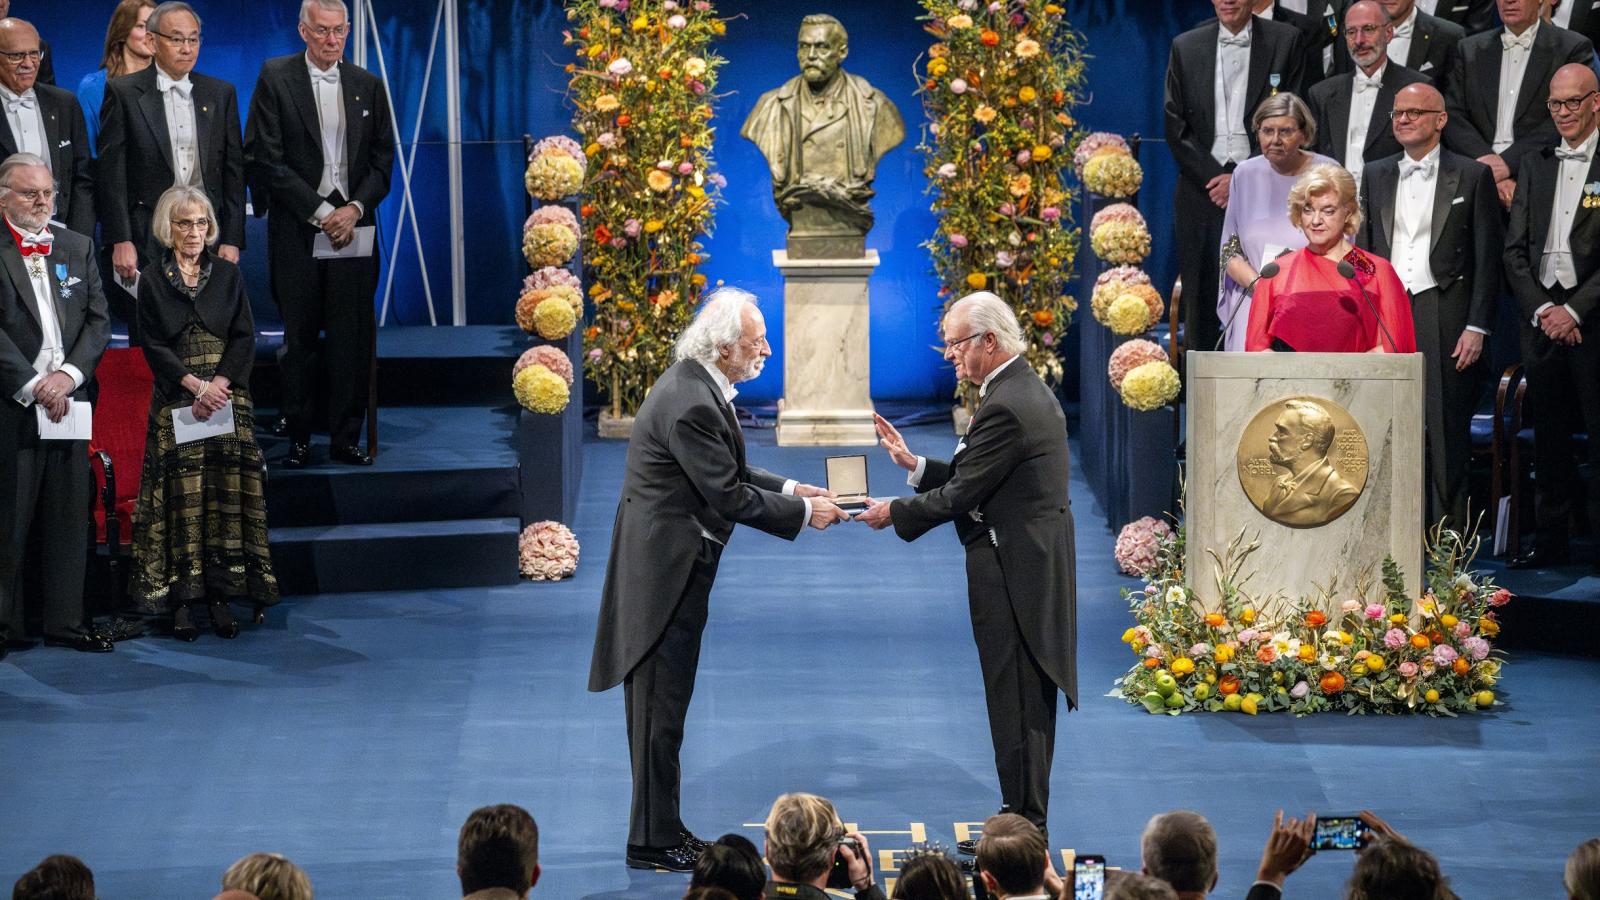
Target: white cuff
point(360, 210)
point(915, 478)
point(74, 373)
point(807, 520)
point(323, 211)
point(789, 486)
point(1572, 312)
point(1542, 308)
point(25, 396)
point(1476, 330)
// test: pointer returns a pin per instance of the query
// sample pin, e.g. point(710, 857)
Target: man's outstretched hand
point(877, 514)
point(825, 512)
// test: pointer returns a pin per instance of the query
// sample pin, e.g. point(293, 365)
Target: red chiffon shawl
point(1309, 306)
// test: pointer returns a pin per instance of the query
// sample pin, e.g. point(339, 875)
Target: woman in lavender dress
point(1256, 228)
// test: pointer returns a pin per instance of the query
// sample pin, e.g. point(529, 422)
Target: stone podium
point(1316, 516)
point(827, 399)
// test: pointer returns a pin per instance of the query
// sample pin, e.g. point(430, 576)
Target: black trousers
point(1564, 396)
point(317, 296)
point(1019, 693)
point(656, 698)
point(46, 540)
point(1199, 241)
point(1452, 399)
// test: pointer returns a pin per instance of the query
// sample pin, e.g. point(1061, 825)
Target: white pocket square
point(65, 143)
point(72, 280)
point(1458, 200)
point(1426, 66)
point(365, 113)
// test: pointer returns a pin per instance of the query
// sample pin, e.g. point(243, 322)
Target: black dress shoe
point(183, 625)
point(83, 643)
point(222, 622)
point(299, 456)
point(1538, 558)
point(674, 859)
point(693, 843)
point(349, 455)
point(280, 428)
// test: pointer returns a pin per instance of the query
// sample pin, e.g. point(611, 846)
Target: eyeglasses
point(46, 195)
point(1268, 134)
point(321, 32)
point(21, 56)
point(1411, 115)
point(191, 225)
point(182, 40)
point(1573, 104)
point(1367, 31)
point(945, 350)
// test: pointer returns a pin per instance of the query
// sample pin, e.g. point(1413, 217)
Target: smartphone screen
point(1088, 877)
point(1337, 833)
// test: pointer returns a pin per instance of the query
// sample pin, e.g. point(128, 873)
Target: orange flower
point(1150, 662)
point(1461, 666)
point(1420, 641)
point(1267, 654)
point(1228, 684)
point(1044, 318)
point(989, 38)
point(1216, 620)
point(602, 233)
point(1316, 619)
point(624, 120)
point(1332, 683)
point(586, 210)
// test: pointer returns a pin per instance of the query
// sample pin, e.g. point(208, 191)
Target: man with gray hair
point(46, 121)
point(1180, 848)
point(1005, 488)
point(687, 483)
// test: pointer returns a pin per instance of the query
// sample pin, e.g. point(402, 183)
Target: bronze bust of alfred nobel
point(822, 133)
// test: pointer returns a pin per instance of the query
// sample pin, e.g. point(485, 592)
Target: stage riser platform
point(420, 366)
point(396, 556)
point(371, 496)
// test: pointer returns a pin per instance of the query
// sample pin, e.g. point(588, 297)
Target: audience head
point(1574, 102)
point(1518, 15)
point(236, 895)
point(1180, 848)
point(1283, 124)
point(127, 32)
point(1393, 869)
point(27, 191)
point(1133, 886)
point(728, 332)
point(498, 848)
point(175, 34)
point(930, 876)
point(1582, 878)
point(732, 864)
point(980, 332)
point(1398, 10)
point(1418, 118)
point(17, 36)
point(803, 833)
point(269, 876)
point(1367, 34)
point(1233, 14)
point(324, 26)
point(56, 878)
point(1012, 856)
point(1322, 204)
point(177, 220)
point(708, 893)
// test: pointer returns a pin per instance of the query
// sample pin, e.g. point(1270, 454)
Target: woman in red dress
point(1330, 297)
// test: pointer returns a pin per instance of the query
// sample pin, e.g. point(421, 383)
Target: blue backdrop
point(512, 84)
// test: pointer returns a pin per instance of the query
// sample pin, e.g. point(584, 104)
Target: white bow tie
point(1242, 39)
point(182, 85)
point(25, 101)
point(1508, 40)
point(1424, 167)
point(1363, 83)
point(328, 76)
point(39, 243)
point(1569, 153)
point(1404, 31)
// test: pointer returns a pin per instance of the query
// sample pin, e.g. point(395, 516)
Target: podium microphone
point(1347, 271)
point(1269, 272)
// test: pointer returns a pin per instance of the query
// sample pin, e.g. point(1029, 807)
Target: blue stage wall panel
point(512, 84)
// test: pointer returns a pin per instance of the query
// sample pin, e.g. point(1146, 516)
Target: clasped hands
point(1559, 325)
point(340, 225)
point(54, 393)
point(209, 396)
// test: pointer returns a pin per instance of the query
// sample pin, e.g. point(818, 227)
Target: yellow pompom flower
point(1027, 95)
point(1128, 315)
point(1182, 666)
point(606, 102)
point(1113, 175)
point(1042, 152)
point(548, 244)
point(540, 390)
point(1121, 243)
point(551, 176)
point(1151, 386)
point(659, 181)
point(984, 114)
point(553, 319)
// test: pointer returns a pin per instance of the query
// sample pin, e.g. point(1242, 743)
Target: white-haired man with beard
point(685, 486)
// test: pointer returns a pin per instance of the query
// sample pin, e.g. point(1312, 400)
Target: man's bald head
point(17, 36)
point(1574, 102)
point(1576, 76)
point(1418, 118)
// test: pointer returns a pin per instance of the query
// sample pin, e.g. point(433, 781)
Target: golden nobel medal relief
point(1303, 461)
point(847, 478)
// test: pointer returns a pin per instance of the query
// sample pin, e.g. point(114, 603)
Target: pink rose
point(1475, 647)
point(1462, 630)
point(1375, 611)
point(1408, 669)
point(632, 228)
point(1350, 605)
point(1500, 597)
point(1049, 214)
point(1444, 654)
point(686, 168)
point(1394, 639)
point(958, 241)
point(1024, 157)
point(1007, 209)
point(677, 23)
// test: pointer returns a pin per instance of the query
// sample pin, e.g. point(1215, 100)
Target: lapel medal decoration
point(1591, 195)
point(61, 279)
point(1274, 79)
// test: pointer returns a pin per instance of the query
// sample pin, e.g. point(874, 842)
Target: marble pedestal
point(827, 397)
point(1383, 393)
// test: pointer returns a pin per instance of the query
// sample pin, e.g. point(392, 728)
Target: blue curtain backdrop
point(512, 84)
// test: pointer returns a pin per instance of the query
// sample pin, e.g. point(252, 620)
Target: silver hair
point(177, 198)
point(153, 24)
point(16, 161)
point(987, 313)
point(718, 324)
point(1180, 848)
point(328, 5)
point(1285, 103)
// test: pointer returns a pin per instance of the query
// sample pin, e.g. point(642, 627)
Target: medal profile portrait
point(1303, 461)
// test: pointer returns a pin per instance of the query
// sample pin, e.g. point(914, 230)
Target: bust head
point(823, 46)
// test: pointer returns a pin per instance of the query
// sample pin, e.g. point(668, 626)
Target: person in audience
point(320, 150)
point(1012, 858)
point(57, 877)
point(1180, 848)
point(1353, 109)
point(1133, 886)
point(1255, 230)
point(1451, 270)
point(686, 484)
point(733, 864)
point(805, 840)
point(1217, 74)
point(1552, 261)
point(1492, 92)
point(1317, 48)
point(194, 142)
point(129, 48)
point(1329, 297)
point(268, 876)
point(708, 893)
point(47, 65)
point(930, 875)
point(45, 120)
point(1582, 875)
point(200, 525)
point(236, 895)
point(1391, 868)
point(53, 321)
point(1579, 16)
point(1423, 43)
point(497, 854)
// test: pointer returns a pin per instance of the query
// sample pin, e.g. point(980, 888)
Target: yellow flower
point(1448, 621)
point(1042, 152)
point(1113, 175)
point(1020, 185)
point(1308, 653)
point(540, 390)
point(1129, 635)
point(719, 27)
point(937, 67)
point(1027, 95)
point(1375, 663)
point(694, 67)
point(659, 181)
point(1027, 48)
point(1223, 653)
point(1346, 638)
point(1397, 619)
point(653, 226)
point(606, 103)
point(641, 23)
point(553, 320)
point(1150, 386)
point(959, 20)
point(1051, 9)
point(1247, 615)
point(984, 114)
point(1182, 666)
point(1128, 315)
point(977, 281)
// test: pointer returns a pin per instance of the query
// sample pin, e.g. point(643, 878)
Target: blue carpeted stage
point(354, 732)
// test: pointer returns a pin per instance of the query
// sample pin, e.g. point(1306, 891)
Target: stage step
point(418, 365)
point(396, 556)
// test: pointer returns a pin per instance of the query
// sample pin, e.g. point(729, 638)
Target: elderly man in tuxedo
point(53, 328)
point(1434, 215)
point(687, 483)
point(1581, 16)
point(1217, 74)
point(46, 121)
point(1552, 260)
point(320, 150)
point(1495, 90)
point(163, 126)
point(1352, 110)
point(1005, 488)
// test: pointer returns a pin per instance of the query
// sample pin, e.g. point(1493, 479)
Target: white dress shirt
point(728, 393)
point(1231, 143)
point(1363, 98)
point(181, 128)
point(915, 478)
point(1562, 14)
point(1413, 221)
point(1400, 44)
point(326, 90)
point(26, 121)
point(52, 352)
point(1555, 267)
point(1428, 6)
point(1514, 54)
